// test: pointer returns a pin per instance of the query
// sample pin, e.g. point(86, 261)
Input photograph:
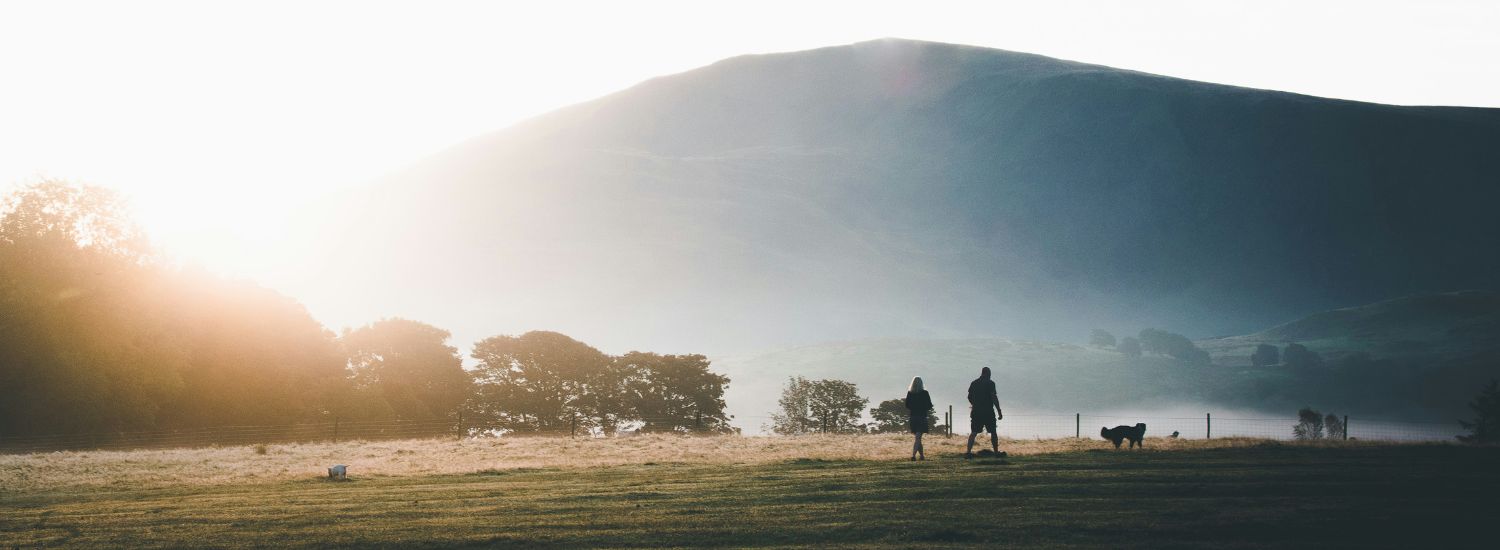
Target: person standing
point(919, 403)
point(984, 411)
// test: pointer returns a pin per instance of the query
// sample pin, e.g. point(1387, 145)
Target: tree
point(1299, 357)
point(408, 364)
point(1265, 355)
point(51, 213)
point(892, 416)
point(545, 381)
point(98, 336)
point(1309, 425)
point(673, 393)
point(1101, 338)
point(254, 356)
point(795, 416)
point(1486, 425)
point(1129, 346)
point(836, 405)
point(81, 349)
point(809, 406)
point(1334, 426)
point(1174, 345)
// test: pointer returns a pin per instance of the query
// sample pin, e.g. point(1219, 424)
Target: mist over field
point(868, 213)
point(962, 207)
point(689, 313)
point(1414, 358)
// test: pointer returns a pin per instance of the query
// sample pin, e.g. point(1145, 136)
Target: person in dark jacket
point(984, 410)
point(918, 402)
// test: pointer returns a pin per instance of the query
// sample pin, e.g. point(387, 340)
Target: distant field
point(729, 491)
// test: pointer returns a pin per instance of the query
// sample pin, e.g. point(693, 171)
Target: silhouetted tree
point(1334, 426)
point(1298, 356)
point(1101, 338)
point(1486, 425)
point(1309, 424)
point(673, 393)
point(891, 416)
point(1129, 346)
point(546, 382)
point(408, 364)
point(1265, 355)
point(1174, 345)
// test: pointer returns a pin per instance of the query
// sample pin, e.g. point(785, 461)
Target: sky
point(218, 119)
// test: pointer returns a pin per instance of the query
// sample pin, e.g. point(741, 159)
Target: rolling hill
point(908, 189)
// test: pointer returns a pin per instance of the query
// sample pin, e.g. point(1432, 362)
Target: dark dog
point(1120, 433)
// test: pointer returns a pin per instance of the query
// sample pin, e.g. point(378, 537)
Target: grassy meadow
point(756, 491)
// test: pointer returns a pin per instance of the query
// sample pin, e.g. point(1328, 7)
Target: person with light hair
point(919, 402)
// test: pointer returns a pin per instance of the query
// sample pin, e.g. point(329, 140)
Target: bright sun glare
point(219, 120)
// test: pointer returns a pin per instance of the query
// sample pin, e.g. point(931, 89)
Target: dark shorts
point(919, 424)
point(986, 422)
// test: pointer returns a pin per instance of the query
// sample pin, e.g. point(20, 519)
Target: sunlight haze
point(220, 121)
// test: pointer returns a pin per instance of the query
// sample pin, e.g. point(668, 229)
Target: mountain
point(909, 189)
point(1423, 327)
point(1418, 357)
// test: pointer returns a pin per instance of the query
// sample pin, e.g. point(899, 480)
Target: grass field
point(1049, 493)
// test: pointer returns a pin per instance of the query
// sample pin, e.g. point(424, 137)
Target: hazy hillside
point(1423, 328)
point(1422, 356)
point(910, 189)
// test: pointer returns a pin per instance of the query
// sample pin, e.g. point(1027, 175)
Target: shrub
point(1486, 425)
point(1333, 425)
point(1309, 425)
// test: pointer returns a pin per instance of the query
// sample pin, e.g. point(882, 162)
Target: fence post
point(1346, 427)
point(460, 429)
point(1077, 425)
point(1210, 420)
point(573, 426)
point(335, 429)
point(698, 422)
point(950, 420)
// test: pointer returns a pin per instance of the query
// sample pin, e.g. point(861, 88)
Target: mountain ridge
point(912, 188)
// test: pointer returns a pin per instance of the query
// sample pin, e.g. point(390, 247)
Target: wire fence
point(1016, 426)
point(1208, 426)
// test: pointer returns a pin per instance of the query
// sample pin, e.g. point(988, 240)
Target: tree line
point(98, 333)
point(1152, 341)
point(835, 406)
point(1177, 346)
